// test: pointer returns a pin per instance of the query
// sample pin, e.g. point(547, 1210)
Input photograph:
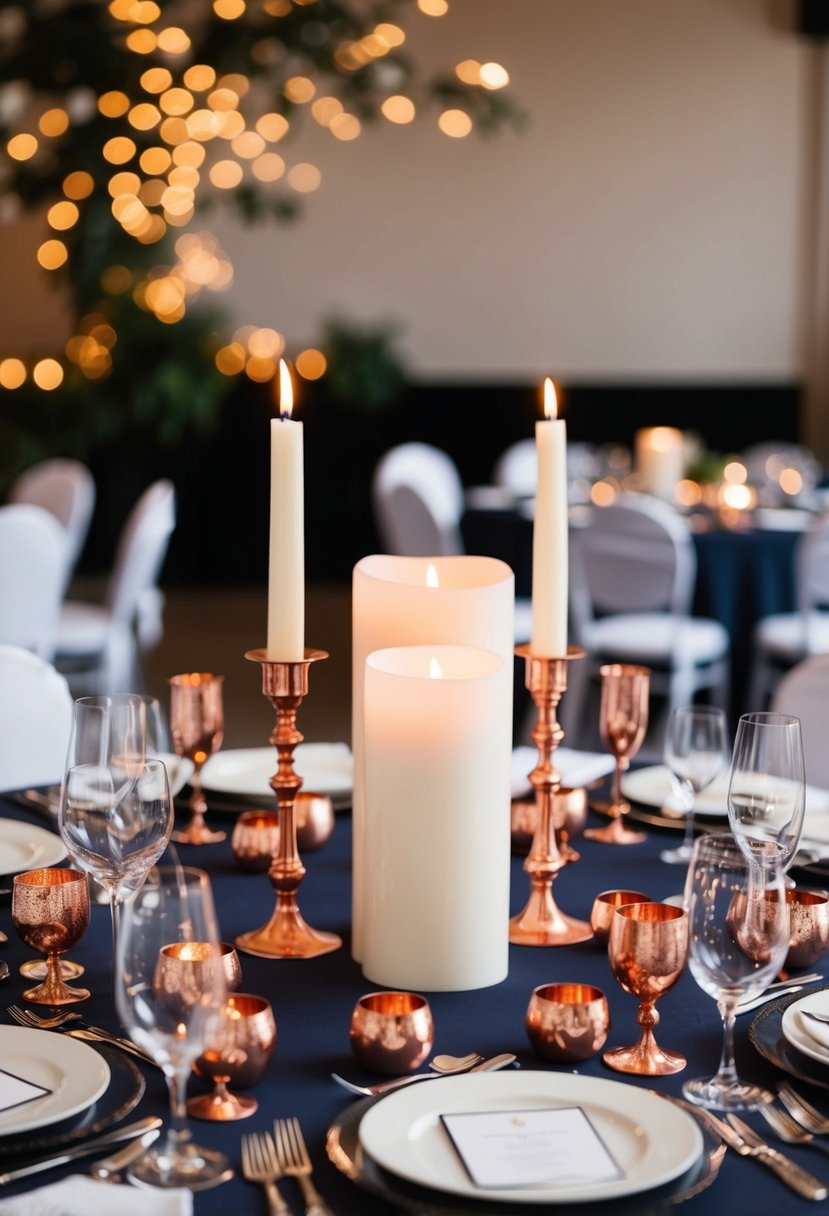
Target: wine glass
point(197, 727)
point(50, 912)
point(116, 832)
point(767, 790)
point(623, 720)
point(696, 751)
point(738, 920)
point(170, 991)
point(648, 949)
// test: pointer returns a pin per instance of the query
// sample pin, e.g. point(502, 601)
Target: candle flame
point(550, 399)
point(435, 672)
point(432, 575)
point(286, 390)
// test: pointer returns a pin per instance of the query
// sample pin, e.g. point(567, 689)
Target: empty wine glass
point(738, 921)
point(696, 751)
point(623, 721)
point(197, 727)
point(767, 787)
point(170, 991)
point(50, 912)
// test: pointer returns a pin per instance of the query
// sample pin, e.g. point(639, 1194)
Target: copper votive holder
point(391, 1032)
point(239, 1053)
point(255, 836)
point(197, 961)
point(809, 916)
point(541, 923)
point(571, 808)
point(567, 1022)
point(605, 904)
point(286, 934)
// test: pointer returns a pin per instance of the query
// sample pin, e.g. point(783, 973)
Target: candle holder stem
point(541, 923)
point(286, 935)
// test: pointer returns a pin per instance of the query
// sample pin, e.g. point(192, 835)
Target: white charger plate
point(652, 787)
point(652, 1141)
point(76, 1074)
point(325, 768)
point(24, 847)
point(794, 1026)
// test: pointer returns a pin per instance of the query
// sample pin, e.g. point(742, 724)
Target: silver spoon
point(450, 1064)
point(817, 1017)
point(4, 970)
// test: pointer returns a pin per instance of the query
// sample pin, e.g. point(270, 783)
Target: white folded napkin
point(818, 1032)
point(576, 768)
point(78, 1195)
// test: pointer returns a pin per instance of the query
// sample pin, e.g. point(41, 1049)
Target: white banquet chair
point(516, 469)
point(785, 638)
point(99, 645)
point(632, 575)
point(35, 720)
point(418, 501)
point(65, 488)
point(804, 693)
point(33, 561)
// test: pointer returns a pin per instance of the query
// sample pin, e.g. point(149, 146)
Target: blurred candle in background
point(660, 460)
point(286, 564)
point(550, 534)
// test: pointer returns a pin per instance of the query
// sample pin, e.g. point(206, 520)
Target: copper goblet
point(623, 721)
point(238, 1054)
point(50, 911)
point(604, 906)
point(197, 729)
point(391, 1032)
point(567, 1022)
point(648, 950)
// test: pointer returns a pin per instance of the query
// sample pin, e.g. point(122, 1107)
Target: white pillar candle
point(550, 534)
point(659, 460)
point(437, 762)
point(286, 564)
point(402, 601)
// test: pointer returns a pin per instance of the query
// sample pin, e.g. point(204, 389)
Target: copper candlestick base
point(542, 923)
point(286, 935)
point(614, 832)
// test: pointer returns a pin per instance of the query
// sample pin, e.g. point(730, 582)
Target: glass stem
point(178, 1134)
point(726, 1077)
point(688, 842)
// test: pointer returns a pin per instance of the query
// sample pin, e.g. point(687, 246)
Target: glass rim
point(768, 717)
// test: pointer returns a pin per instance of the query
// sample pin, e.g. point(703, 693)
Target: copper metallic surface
point(286, 935)
point(570, 808)
point(604, 906)
point(197, 729)
point(255, 836)
point(50, 911)
point(238, 1054)
point(391, 1032)
point(541, 923)
point(567, 1022)
point(623, 721)
point(648, 950)
point(809, 915)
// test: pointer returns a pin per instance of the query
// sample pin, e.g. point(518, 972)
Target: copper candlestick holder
point(542, 923)
point(286, 935)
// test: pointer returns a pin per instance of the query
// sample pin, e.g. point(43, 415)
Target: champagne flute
point(623, 721)
point(696, 751)
point(50, 911)
point(738, 920)
point(648, 949)
point(197, 727)
point(767, 788)
point(170, 992)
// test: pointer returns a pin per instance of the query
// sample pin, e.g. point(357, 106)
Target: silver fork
point(789, 1129)
point(296, 1163)
point(260, 1164)
point(26, 1017)
point(92, 1034)
point(801, 1110)
point(800, 1180)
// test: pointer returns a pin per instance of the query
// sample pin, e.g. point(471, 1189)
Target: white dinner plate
point(75, 1073)
point(325, 768)
point(651, 1140)
point(810, 1038)
point(24, 847)
point(574, 767)
point(652, 787)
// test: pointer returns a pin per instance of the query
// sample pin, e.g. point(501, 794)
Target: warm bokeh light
point(53, 123)
point(144, 116)
point(230, 360)
point(62, 216)
point(735, 472)
point(268, 168)
point(47, 374)
point(78, 185)
point(602, 494)
point(119, 150)
point(52, 254)
point(688, 493)
point(738, 496)
point(455, 123)
point(311, 364)
point(273, 127)
point(113, 104)
point(345, 126)
point(155, 160)
point(469, 71)
point(494, 76)
point(12, 373)
point(790, 481)
point(433, 8)
point(248, 145)
point(260, 370)
point(174, 40)
point(299, 89)
point(116, 280)
point(324, 109)
point(304, 177)
point(228, 10)
point(175, 131)
point(392, 35)
point(142, 42)
point(266, 343)
point(200, 77)
point(398, 109)
point(226, 174)
point(176, 102)
point(22, 147)
point(156, 80)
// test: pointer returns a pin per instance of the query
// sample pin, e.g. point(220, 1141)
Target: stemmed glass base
point(714, 1094)
point(53, 991)
point(35, 969)
point(615, 832)
point(221, 1105)
point(680, 856)
point(197, 831)
point(183, 1165)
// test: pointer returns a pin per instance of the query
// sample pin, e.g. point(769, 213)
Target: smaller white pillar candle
point(437, 759)
point(550, 534)
point(660, 460)
point(286, 564)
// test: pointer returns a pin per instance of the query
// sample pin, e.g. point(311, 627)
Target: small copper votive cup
point(567, 1022)
point(238, 1055)
point(809, 913)
point(314, 820)
point(255, 836)
point(391, 1032)
point(198, 956)
point(571, 802)
point(604, 907)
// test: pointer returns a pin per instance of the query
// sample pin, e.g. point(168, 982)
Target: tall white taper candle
point(286, 564)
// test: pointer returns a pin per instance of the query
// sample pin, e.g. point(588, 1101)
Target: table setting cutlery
point(801, 1110)
point(746, 1143)
point(293, 1157)
point(260, 1164)
point(108, 1169)
point(370, 1091)
point(86, 1149)
point(788, 1129)
point(91, 1034)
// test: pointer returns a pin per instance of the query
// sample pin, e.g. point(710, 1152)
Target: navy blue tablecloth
point(312, 1001)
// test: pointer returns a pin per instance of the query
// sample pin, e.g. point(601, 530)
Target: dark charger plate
point(766, 1035)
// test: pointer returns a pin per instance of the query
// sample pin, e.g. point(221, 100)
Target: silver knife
point(88, 1148)
point(384, 1087)
point(108, 1168)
